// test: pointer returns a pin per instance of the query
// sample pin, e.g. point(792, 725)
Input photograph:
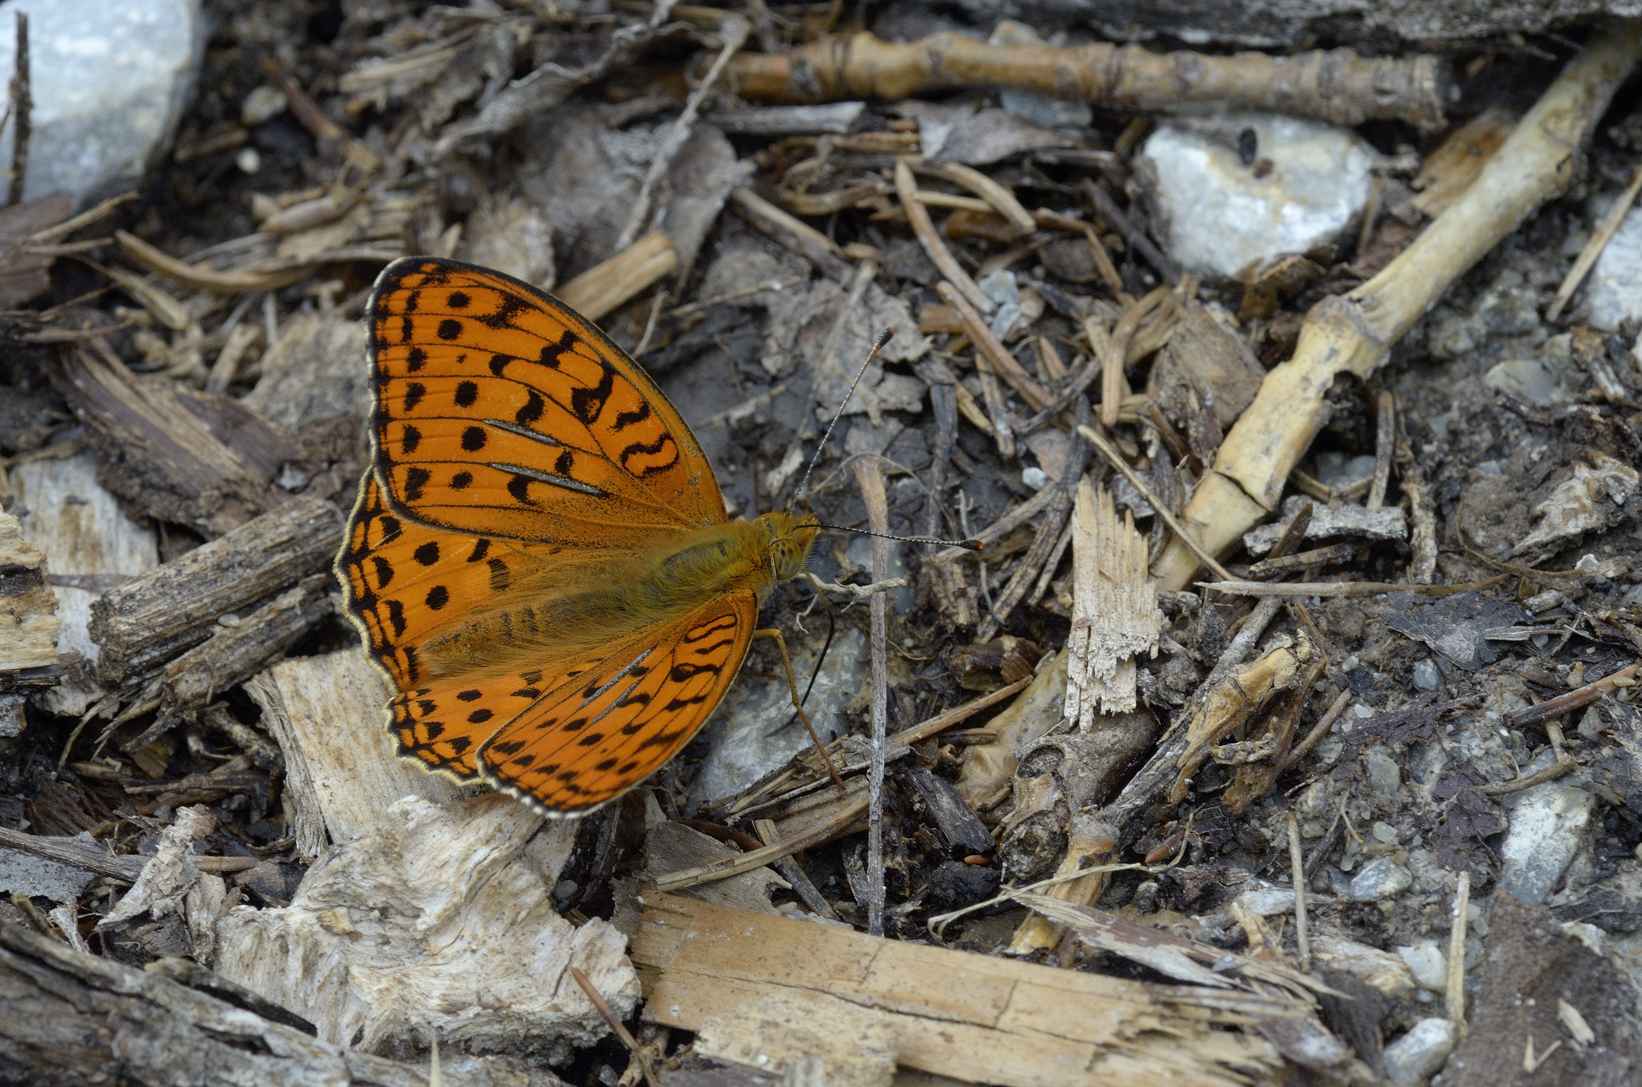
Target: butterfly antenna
point(877, 345)
point(967, 545)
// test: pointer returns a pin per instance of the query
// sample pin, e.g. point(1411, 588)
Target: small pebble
point(1379, 879)
point(1427, 963)
point(1426, 676)
point(1417, 1055)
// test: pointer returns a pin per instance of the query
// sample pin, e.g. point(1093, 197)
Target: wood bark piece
point(1331, 521)
point(191, 458)
point(25, 269)
point(28, 611)
point(234, 652)
point(430, 914)
point(1353, 333)
point(74, 1019)
point(1338, 85)
point(140, 626)
point(967, 1016)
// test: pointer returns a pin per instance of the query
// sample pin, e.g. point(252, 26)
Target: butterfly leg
point(792, 685)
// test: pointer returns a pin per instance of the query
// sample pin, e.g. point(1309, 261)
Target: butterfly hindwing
point(589, 741)
point(501, 412)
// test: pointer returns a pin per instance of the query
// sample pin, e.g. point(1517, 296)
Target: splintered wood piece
point(141, 625)
point(971, 1017)
point(1114, 608)
point(428, 913)
point(189, 458)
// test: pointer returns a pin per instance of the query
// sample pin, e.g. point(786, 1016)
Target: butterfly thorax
point(566, 609)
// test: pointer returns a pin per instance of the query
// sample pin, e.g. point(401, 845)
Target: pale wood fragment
point(429, 914)
point(74, 1018)
point(90, 548)
point(1115, 617)
point(973, 1018)
point(606, 286)
point(28, 610)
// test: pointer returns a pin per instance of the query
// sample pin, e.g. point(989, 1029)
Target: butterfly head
point(789, 537)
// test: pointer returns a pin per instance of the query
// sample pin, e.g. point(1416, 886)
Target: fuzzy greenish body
point(558, 610)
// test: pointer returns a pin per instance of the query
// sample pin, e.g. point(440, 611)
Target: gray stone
point(750, 734)
point(1548, 827)
point(109, 80)
point(1385, 777)
point(1417, 1055)
point(1425, 960)
point(36, 877)
point(1219, 216)
point(1530, 380)
point(1380, 878)
point(1426, 675)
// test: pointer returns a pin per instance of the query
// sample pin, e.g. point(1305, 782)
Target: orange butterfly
point(539, 557)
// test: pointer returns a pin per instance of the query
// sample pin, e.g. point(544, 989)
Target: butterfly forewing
point(618, 723)
point(500, 411)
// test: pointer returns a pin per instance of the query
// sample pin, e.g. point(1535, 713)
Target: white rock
point(1220, 215)
point(1548, 826)
point(109, 80)
point(1417, 1055)
point(1427, 963)
point(1612, 295)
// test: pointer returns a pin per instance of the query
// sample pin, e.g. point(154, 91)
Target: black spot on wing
point(588, 402)
point(511, 306)
point(649, 449)
point(549, 354)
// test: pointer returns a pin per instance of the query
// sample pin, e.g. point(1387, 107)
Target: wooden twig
point(22, 113)
point(871, 481)
point(930, 238)
point(1297, 876)
point(1339, 86)
point(1236, 587)
point(1573, 700)
point(1004, 363)
point(1459, 920)
point(733, 29)
point(1385, 442)
point(1137, 238)
point(1600, 237)
point(998, 198)
point(612, 282)
point(623, 1035)
point(791, 232)
point(840, 823)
